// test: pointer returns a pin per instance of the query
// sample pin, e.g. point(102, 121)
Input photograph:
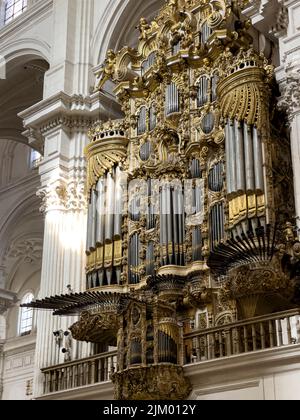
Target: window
point(35, 159)
point(13, 9)
point(26, 316)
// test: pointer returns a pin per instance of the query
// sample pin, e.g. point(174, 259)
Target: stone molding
point(290, 90)
point(76, 112)
point(63, 197)
point(30, 250)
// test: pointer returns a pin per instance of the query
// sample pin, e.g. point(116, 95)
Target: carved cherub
point(144, 28)
point(107, 69)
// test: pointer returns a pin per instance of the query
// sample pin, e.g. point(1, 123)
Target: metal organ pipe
point(239, 158)
point(202, 91)
point(152, 118)
point(232, 152)
point(214, 84)
point(175, 226)
point(100, 213)
point(229, 159)
point(249, 159)
point(150, 259)
point(169, 224)
point(181, 226)
point(258, 159)
point(118, 205)
point(109, 221)
point(94, 220)
point(89, 227)
point(141, 129)
point(172, 99)
point(163, 227)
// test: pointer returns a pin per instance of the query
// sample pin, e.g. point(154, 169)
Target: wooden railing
point(80, 373)
point(264, 332)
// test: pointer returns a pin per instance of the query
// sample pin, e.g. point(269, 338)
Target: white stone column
point(1, 367)
point(63, 265)
point(288, 76)
point(295, 147)
point(290, 101)
point(70, 66)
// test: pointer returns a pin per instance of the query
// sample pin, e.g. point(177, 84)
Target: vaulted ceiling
point(22, 88)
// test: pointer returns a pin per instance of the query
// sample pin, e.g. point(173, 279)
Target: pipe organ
point(202, 97)
point(201, 156)
point(206, 32)
point(172, 99)
point(185, 205)
point(104, 238)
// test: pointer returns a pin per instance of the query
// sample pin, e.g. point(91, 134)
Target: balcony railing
point(261, 333)
point(80, 373)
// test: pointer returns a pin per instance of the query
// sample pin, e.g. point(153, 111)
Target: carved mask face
point(296, 250)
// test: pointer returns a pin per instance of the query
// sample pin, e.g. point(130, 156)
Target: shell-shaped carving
point(214, 20)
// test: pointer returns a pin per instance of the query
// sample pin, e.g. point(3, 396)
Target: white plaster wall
point(18, 369)
point(280, 386)
point(272, 374)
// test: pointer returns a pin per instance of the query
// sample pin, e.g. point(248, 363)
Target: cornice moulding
point(62, 109)
point(20, 344)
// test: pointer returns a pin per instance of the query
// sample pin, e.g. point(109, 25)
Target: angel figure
point(144, 28)
point(107, 70)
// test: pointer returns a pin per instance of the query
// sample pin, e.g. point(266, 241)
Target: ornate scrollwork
point(152, 383)
point(96, 328)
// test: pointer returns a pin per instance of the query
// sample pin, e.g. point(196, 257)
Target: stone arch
point(117, 26)
point(35, 48)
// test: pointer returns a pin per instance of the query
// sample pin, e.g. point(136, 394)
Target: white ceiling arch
point(21, 88)
point(117, 26)
point(33, 47)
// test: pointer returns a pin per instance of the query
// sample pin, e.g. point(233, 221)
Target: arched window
point(13, 9)
point(35, 159)
point(26, 316)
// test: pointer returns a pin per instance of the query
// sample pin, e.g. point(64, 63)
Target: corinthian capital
point(61, 196)
point(290, 93)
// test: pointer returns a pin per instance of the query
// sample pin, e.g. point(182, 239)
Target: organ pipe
point(202, 92)
point(249, 158)
point(258, 159)
point(169, 224)
point(89, 227)
point(150, 259)
point(181, 228)
point(100, 212)
point(232, 152)
point(229, 159)
point(195, 169)
point(214, 84)
point(172, 99)
point(109, 220)
point(239, 158)
point(118, 205)
point(141, 129)
point(152, 118)
point(176, 226)
point(205, 33)
point(217, 228)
